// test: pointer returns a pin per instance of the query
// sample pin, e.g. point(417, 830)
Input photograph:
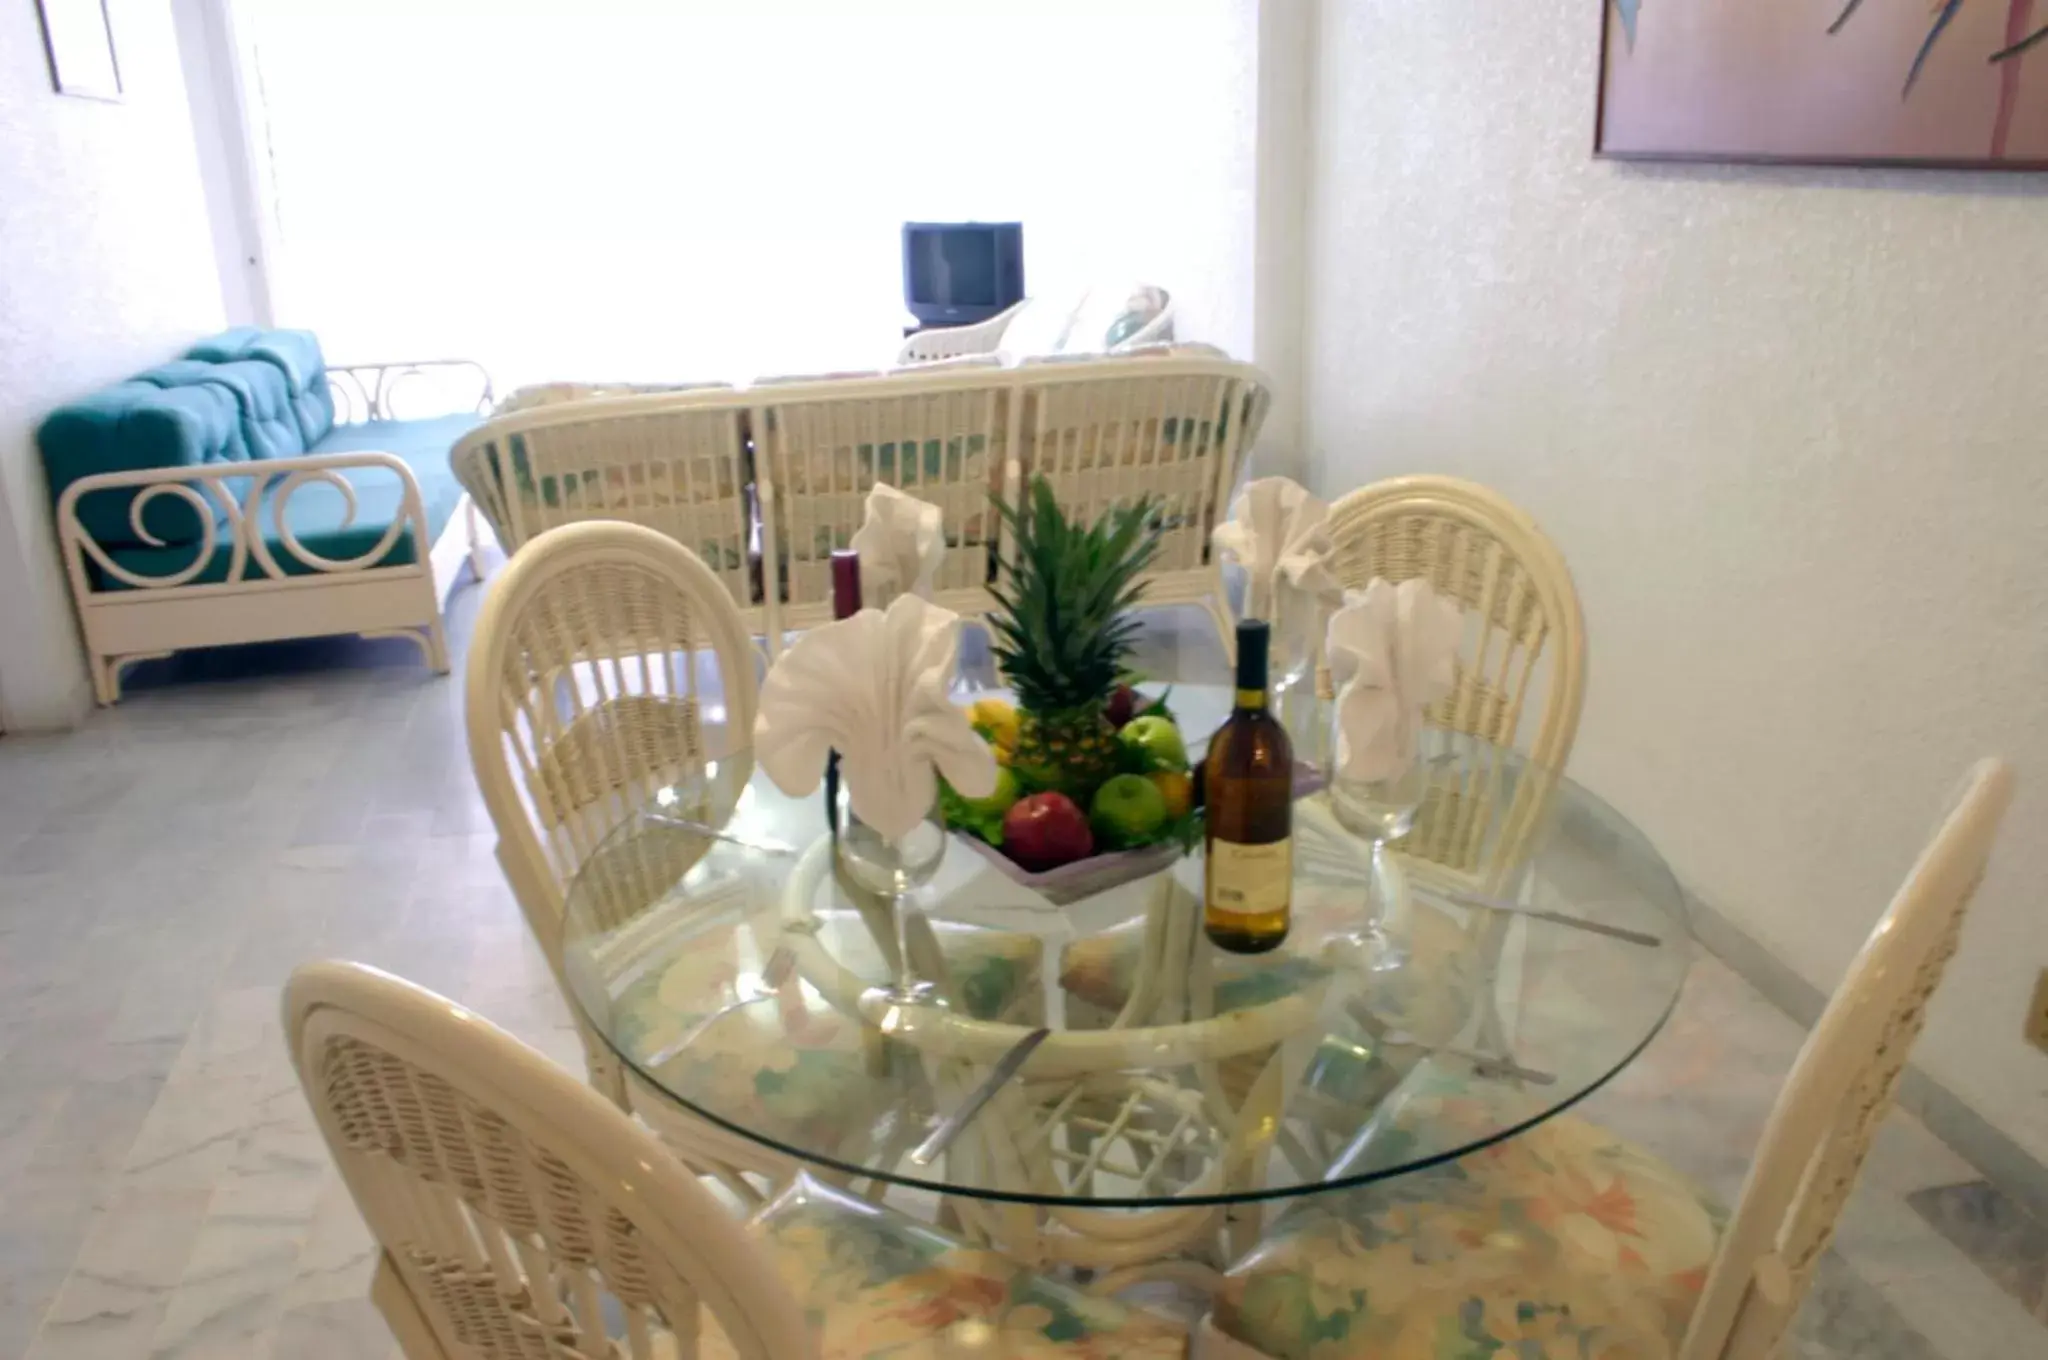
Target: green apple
point(1156, 741)
point(1006, 792)
point(1127, 808)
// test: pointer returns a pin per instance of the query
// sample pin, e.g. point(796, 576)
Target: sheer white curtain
point(681, 189)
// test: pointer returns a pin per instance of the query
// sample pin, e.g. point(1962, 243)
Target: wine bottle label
point(1250, 880)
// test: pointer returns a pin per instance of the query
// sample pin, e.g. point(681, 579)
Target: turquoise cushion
point(186, 373)
point(296, 357)
point(263, 399)
point(268, 421)
point(229, 345)
point(316, 511)
point(135, 425)
point(424, 445)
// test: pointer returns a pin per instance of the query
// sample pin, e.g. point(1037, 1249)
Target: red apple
point(1124, 703)
point(1045, 831)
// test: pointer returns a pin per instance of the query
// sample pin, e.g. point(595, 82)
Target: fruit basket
point(1095, 786)
point(1066, 841)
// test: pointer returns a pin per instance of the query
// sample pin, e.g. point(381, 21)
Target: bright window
point(598, 189)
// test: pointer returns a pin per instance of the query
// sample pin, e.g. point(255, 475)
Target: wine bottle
point(1248, 779)
point(845, 604)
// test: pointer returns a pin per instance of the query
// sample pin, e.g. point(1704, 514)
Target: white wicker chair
point(1176, 424)
point(520, 1216)
point(993, 335)
point(673, 459)
point(956, 342)
point(584, 697)
point(1521, 608)
point(764, 482)
point(819, 447)
point(1756, 1270)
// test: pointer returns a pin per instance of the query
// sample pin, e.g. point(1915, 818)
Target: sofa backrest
point(937, 432)
point(134, 425)
point(245, 393)
point(1174, 421)
point(261, 396)
point(673, 461)
point(296, 357)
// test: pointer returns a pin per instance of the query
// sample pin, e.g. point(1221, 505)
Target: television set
point(958, 273)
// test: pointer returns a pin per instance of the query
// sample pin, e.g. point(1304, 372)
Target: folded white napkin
point(874, 687)
point(900, 544)
point(1280, 534)
point(1391, 650)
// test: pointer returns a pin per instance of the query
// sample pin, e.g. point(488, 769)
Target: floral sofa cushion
point(1564, 1241)
point(874, 1283)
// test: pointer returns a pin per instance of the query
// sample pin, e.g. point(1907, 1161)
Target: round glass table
point(713, 944)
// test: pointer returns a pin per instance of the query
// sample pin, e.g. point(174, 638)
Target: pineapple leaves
point(1063, 625)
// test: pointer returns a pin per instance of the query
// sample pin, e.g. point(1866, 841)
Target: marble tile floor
point(164, 1194)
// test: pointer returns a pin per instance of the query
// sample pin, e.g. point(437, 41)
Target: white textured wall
point(1791, 431)
point(105, 268)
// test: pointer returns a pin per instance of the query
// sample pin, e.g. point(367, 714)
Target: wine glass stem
point(899, 910)
point(1377, 889)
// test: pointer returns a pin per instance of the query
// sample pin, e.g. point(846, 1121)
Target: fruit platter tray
point(1082, 878)
point(1119, 839)
point(1094, 786)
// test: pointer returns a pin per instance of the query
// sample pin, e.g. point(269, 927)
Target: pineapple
point(1062, 633)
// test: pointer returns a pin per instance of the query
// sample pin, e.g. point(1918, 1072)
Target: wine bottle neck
point(1252, 638)
point(845, 584)
point(1251, 700)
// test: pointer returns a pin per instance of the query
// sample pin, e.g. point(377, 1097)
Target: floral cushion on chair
point(874, 1283)
point(1564, 1241)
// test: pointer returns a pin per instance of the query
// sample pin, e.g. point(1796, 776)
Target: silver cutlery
point(714, 833)
point(1556, 918)
point(1005, 1068)
point(1482, 1065)
point(780, 965)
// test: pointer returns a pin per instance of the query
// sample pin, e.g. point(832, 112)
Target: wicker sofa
point(764, 482)
point(247, 492)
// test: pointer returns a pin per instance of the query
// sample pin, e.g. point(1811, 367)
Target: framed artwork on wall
point(1827, 82)
point(80, 43)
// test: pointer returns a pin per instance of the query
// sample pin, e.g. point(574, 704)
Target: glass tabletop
point(713, 943)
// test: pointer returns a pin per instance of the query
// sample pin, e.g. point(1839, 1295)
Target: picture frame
point(78, 37)
point(1963, 85)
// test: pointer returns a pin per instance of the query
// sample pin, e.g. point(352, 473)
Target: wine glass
point(894, 869)
point(1381, 811)
point(1297, 700)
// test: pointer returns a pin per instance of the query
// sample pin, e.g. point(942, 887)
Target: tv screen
point(962, 272)
point(957, 267)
